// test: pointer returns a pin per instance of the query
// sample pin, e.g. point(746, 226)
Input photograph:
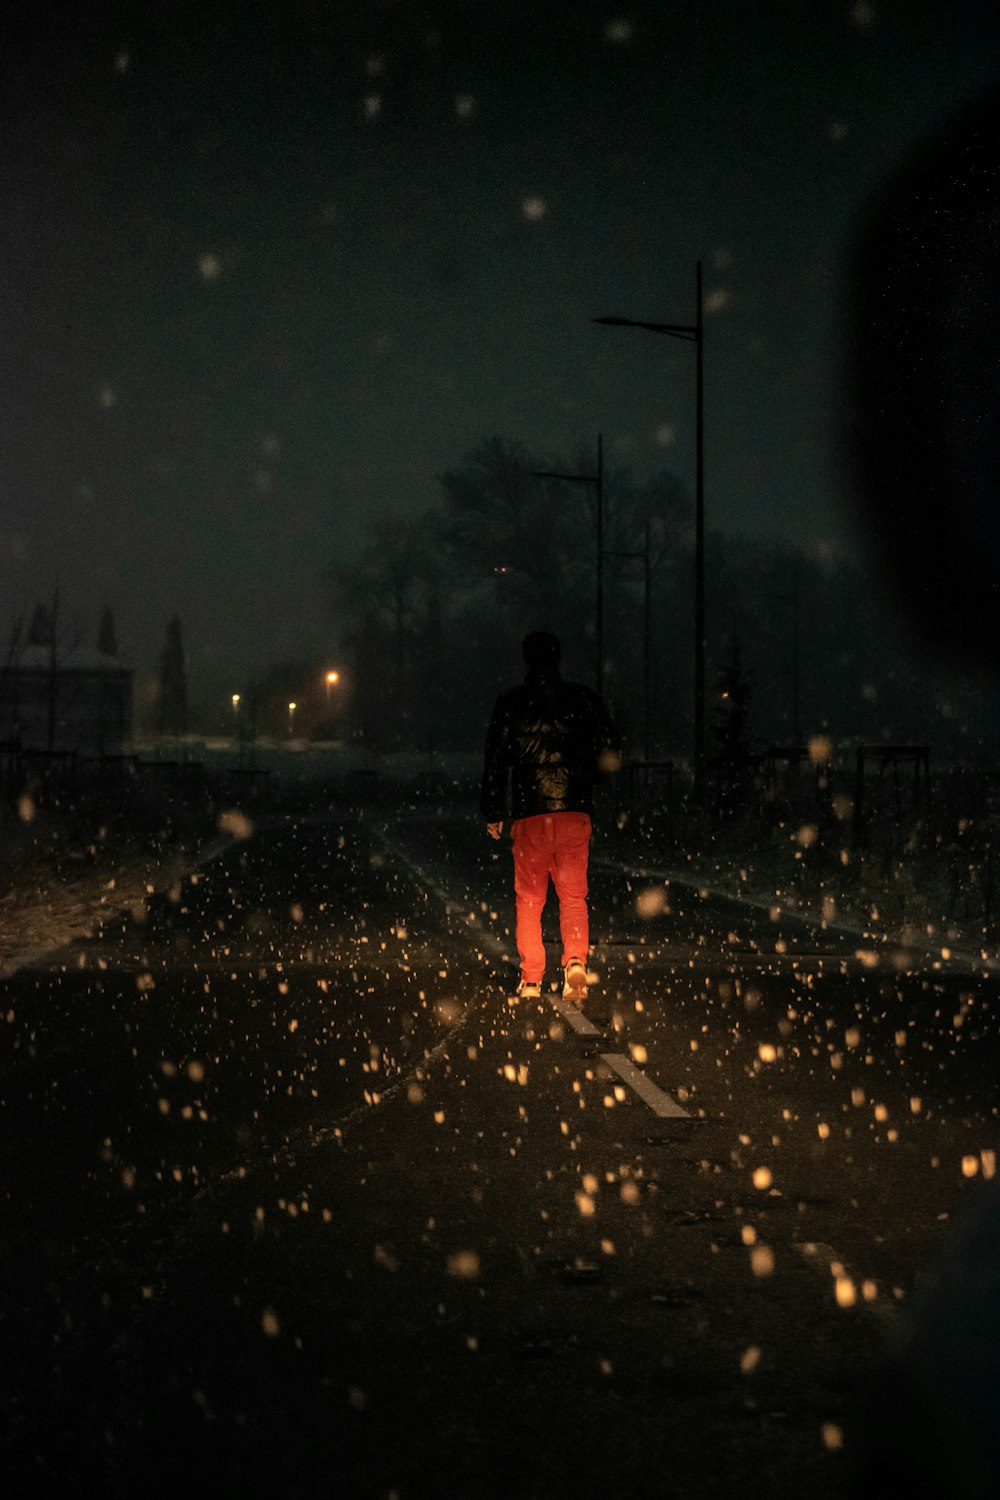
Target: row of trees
point(432, 608)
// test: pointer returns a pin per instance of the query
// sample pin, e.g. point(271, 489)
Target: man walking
point(554, 738)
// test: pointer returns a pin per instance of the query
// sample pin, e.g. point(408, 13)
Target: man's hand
point(494, 830)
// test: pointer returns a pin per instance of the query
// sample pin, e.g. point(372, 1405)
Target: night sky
point(270, 269)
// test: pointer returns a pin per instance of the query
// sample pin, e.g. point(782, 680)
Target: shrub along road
point(297, 1203)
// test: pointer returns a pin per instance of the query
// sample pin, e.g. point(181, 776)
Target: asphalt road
point(297, 1203)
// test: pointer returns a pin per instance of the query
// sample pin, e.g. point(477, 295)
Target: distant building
point(85, 705)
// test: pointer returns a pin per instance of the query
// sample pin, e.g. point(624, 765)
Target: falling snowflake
point(717, 300)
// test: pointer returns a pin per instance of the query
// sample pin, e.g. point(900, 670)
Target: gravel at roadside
point(60, 879)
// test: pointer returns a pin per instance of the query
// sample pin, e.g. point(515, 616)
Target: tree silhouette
point(527, 538)
point(654, 513)
point(385, 600)
point(432, 608)
point(731, 732)
point(521, 552)
point(107, 638)
point(40, 631)
point(173, 682)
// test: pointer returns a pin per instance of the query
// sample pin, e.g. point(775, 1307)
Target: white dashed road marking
point(575, 1017)
point(850, 1287)
point(659, 1101)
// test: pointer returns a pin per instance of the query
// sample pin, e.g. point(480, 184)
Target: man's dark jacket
point(553, 736)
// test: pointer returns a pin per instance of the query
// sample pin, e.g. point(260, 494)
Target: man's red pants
point(557, 845)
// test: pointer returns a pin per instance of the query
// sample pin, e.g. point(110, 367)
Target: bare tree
point(383, 600)
point(40, 629)
point(107, 636)
point(503, 525)
point(433, 607)
point(173, 682)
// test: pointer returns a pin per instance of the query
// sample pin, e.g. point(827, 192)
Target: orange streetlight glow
point(331, 679)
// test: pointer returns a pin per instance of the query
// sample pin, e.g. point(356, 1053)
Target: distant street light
point(236, 715)
point(331, 679)
point(692, 333)
point(597, 480)
point(291, 717)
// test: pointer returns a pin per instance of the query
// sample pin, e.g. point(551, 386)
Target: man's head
point(541, 651)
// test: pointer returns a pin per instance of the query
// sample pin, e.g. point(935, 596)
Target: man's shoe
point(575, 981)
point(527, 991)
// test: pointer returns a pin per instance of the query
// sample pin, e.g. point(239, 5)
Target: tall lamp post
point(691, 333)
point(598, 481)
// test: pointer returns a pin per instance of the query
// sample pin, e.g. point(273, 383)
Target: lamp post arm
point(573, 478)
point(676, 330)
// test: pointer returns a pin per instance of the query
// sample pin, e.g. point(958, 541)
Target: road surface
point(297, 1203)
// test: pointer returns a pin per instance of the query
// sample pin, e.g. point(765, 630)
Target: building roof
point(82, 659)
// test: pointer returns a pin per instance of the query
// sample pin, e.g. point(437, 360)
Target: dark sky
point(269, 269)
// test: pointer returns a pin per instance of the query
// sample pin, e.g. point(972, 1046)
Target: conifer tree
point(40, 632)
point(107, 637)
point(173, 682)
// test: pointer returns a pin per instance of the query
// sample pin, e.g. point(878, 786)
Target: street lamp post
point(236, 716)
point(291, 718)
point(598, 481)
point(691, 333)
